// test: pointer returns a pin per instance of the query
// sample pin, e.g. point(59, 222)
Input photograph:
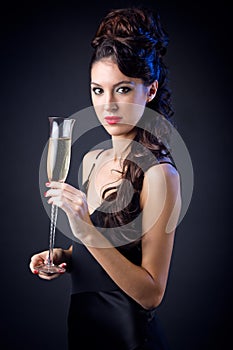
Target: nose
point(110, 107)
point(110, 103)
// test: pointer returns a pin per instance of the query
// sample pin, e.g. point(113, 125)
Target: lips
point(112, 119)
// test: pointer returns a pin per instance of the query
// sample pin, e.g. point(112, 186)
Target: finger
point(36, 260)
point(60, 185)
point(76, 196)
point(65, 187)
point(53, 184)
point(53, 193)
point(34, 263)
point(63, 265)
point(33, 269)
point(63, 193)
point(64, 204)
point(78, 209)
point(64, 200)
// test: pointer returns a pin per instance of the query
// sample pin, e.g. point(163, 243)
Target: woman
point(124, 217)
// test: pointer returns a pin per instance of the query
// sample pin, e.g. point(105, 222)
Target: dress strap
point(167, 162)
point(93, 165)
point(162, 159)
point(85, 185)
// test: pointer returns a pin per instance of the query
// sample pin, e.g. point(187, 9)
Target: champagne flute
point(58, 162)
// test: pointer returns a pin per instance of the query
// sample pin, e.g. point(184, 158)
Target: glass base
point(49, 269)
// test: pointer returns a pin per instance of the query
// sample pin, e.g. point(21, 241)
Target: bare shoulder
point(91, 156)
point(161, 172)
point(161, 198)
point(160, 177)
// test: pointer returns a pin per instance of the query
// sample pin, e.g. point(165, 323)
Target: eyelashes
point(121, 90)
point(98, 91)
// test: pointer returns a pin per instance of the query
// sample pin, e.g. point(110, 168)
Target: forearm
point(134, 280)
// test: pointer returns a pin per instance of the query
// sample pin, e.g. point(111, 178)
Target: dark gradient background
point(45, 51)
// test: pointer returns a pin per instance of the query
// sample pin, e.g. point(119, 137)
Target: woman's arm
point(160, 202)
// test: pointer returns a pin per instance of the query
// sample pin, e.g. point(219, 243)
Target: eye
point(123, 90)
point(97, 90)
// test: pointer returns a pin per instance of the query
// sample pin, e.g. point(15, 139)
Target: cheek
point(132, 112)
point(96, 104)
point(141, 99)
point(99, 109)
point(93, 98)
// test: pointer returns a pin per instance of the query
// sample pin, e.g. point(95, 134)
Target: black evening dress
point(101, 316)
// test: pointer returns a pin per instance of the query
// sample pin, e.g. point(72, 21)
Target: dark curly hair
point(135, 39)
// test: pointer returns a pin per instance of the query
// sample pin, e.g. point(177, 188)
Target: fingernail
point(45, 194)
point(47, 184)
point(36, 272)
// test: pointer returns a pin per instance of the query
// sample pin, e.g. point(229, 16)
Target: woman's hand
point(74, 204)
point(41, 258)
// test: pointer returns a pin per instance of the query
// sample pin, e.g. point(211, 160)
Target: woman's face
point(118, 100)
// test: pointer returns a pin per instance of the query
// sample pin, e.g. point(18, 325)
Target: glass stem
point(53, 222)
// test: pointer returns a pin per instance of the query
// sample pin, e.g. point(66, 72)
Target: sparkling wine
point(58, 160)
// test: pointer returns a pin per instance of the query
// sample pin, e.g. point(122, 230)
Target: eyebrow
point(120, 82)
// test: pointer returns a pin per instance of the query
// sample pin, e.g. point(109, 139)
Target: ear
point(152, 90)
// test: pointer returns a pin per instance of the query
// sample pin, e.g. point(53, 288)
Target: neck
point(121, 146)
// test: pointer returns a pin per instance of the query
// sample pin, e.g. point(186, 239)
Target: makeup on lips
point(111, 120)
